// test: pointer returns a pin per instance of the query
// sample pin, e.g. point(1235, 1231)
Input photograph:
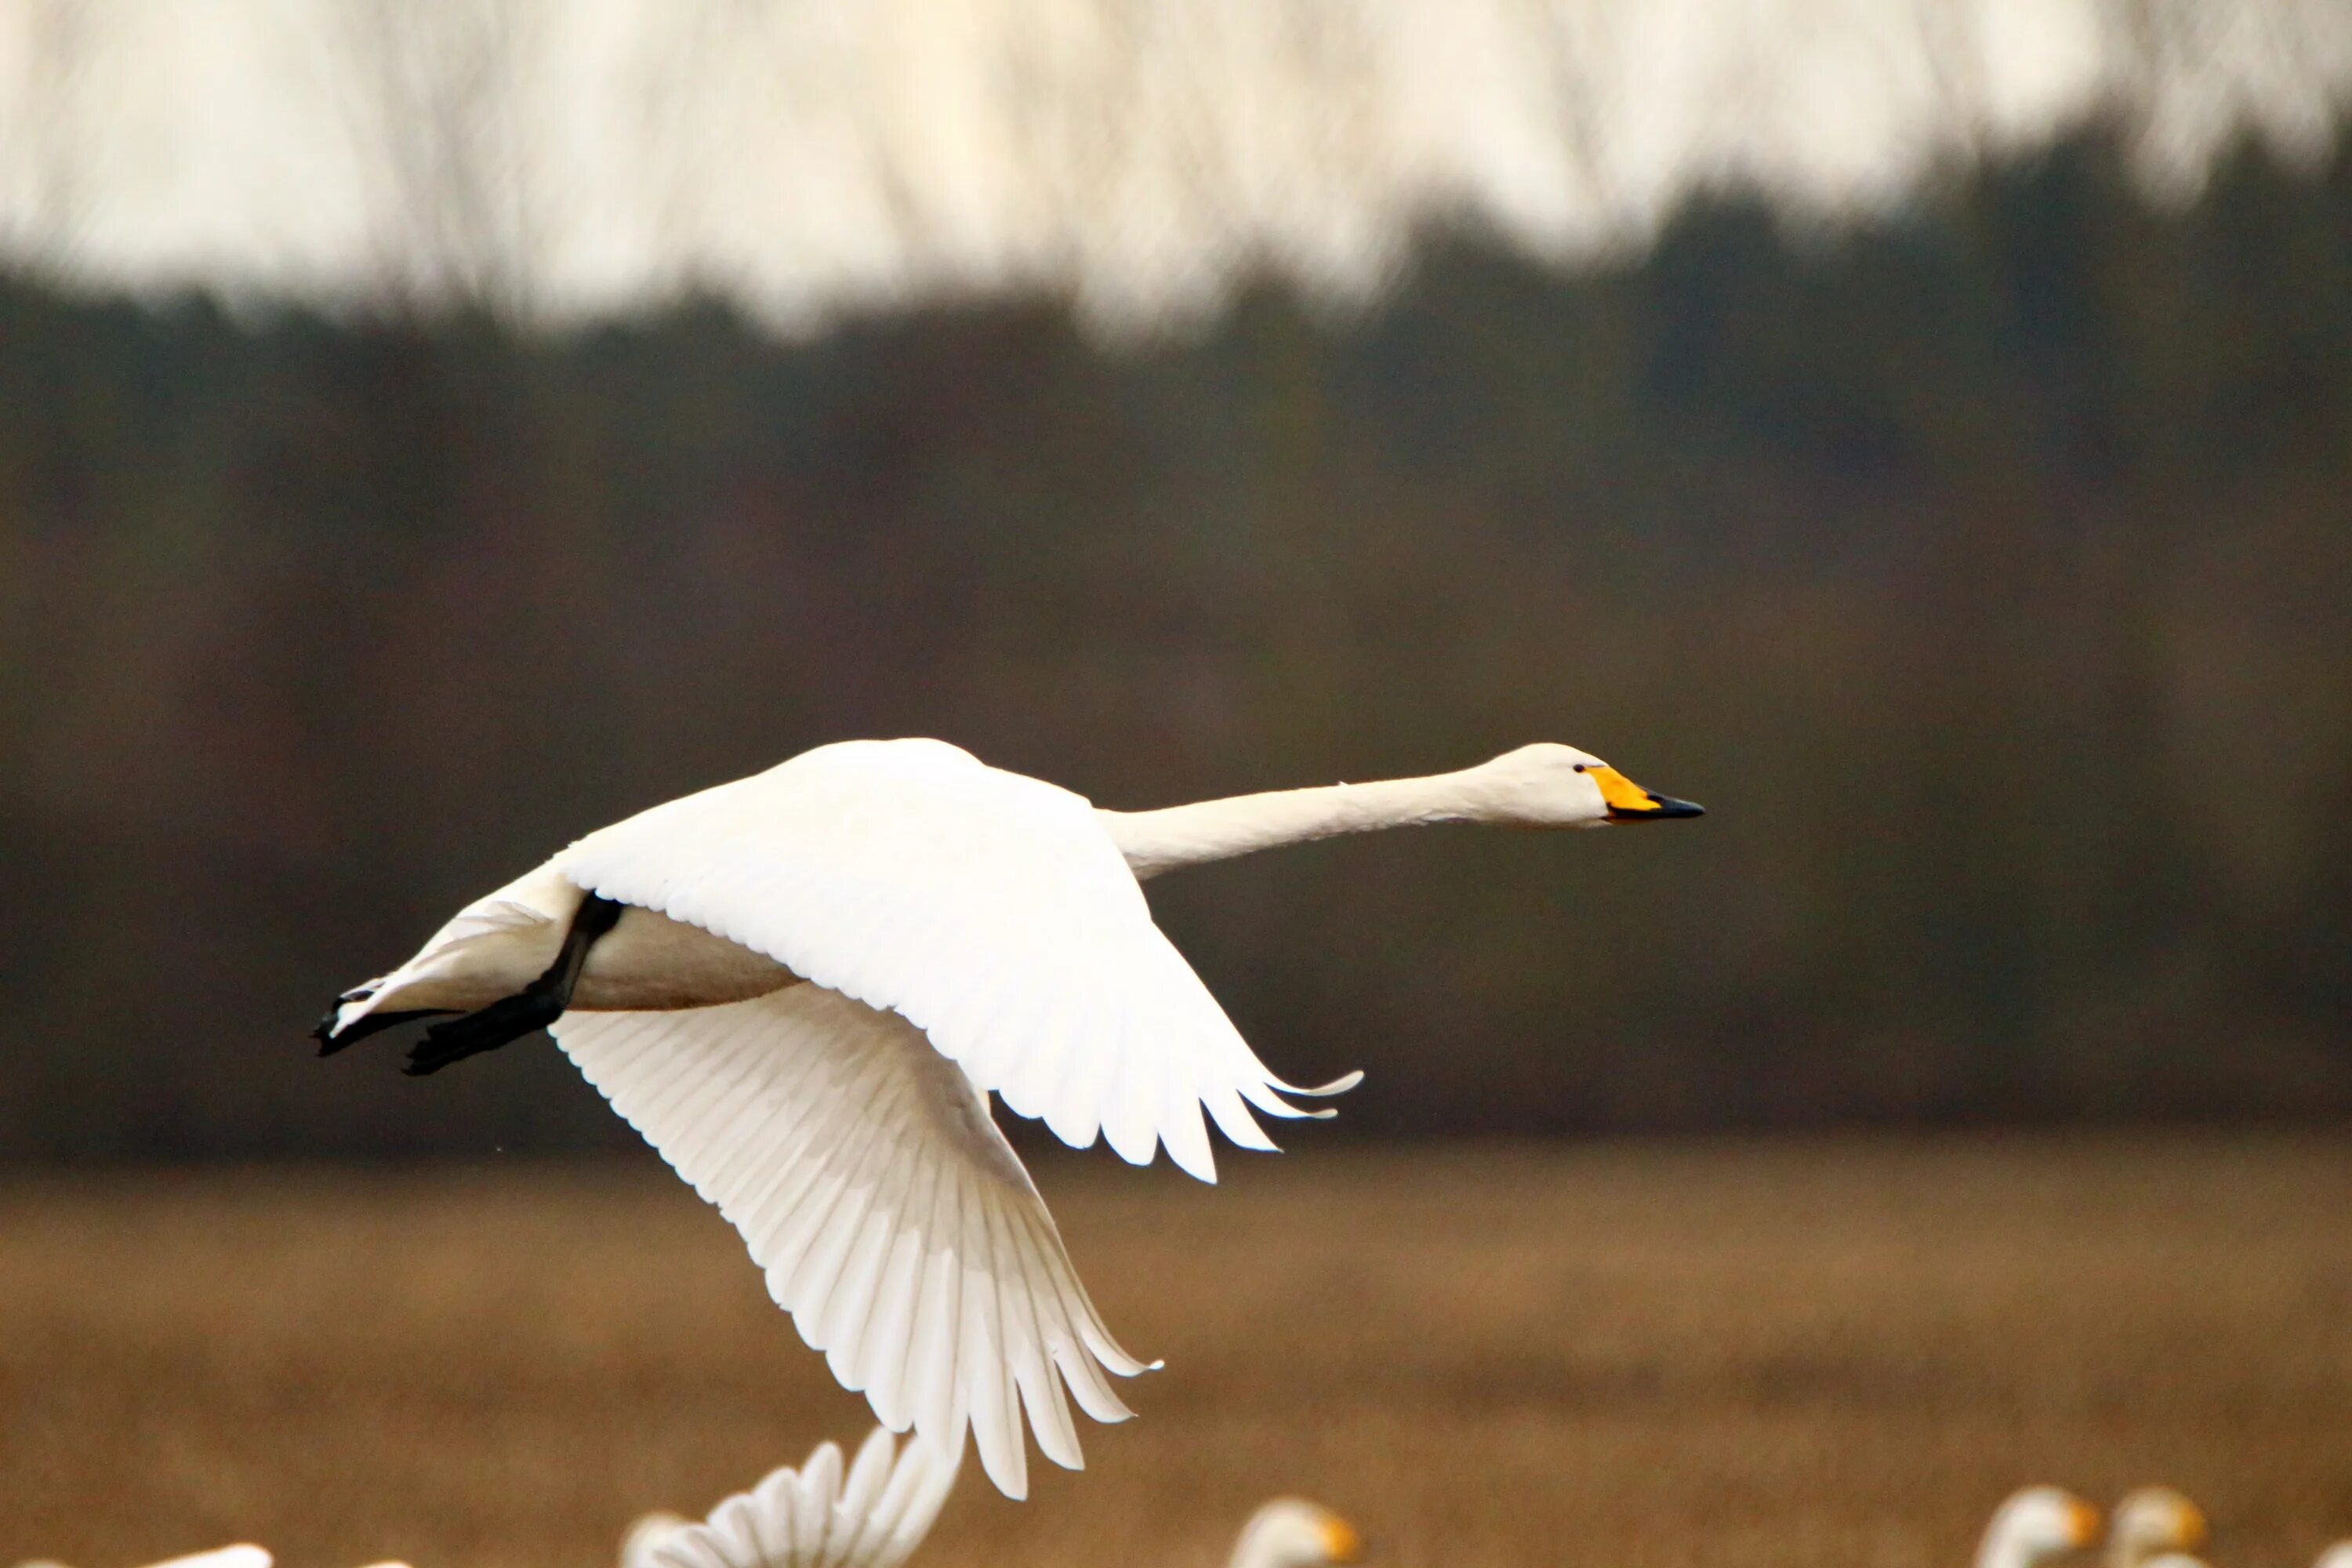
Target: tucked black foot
point(331, 1042)
point(501, 1023)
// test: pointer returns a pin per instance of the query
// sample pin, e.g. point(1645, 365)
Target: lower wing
point(894, 1222)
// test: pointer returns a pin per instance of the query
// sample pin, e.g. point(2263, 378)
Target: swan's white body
point(2151, 1523)
point(821, 972)
point(874, 1512)
point(2036, 1525)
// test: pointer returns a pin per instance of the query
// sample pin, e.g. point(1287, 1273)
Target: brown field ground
point(1734, 1354)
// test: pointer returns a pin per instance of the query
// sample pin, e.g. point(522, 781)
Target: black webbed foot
point(501, 1023)
point(330, 1042)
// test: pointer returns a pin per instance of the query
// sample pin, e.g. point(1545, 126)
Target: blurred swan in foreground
point(2337, 1556)
point(870, 1515)
point(243, 1555)
point(876, 1511)
point(802, 987)
point(2152, 1523)
point(2036, 1525)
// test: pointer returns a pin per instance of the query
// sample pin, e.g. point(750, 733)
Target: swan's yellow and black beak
point(1629, 802)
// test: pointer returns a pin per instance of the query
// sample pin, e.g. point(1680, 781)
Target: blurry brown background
point(1758, 1355)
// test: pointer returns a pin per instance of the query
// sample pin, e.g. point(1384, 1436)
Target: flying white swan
point(801, 988)
point(2035, 1525)
point(2152, 1522)
point(876, 1511)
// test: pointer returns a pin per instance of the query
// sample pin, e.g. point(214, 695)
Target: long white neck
point(1157, 841)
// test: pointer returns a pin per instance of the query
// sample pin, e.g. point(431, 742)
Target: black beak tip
point(1662, 806)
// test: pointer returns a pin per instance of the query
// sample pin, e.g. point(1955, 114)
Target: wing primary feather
point(734, 1531)
point(937, 1325)
point(891, 1342)
point(774, 1497)
point(1234, 1120)
point(1016, 1286)
point(819, 1484)
point(979, 1360)
point(861, 1489)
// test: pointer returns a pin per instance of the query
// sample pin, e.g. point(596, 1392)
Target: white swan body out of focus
point(874, 1512)
point(802, 987)
point(244, 1554)
point(2036, 1525)
point(2151, 1523)
point(2339, 1555)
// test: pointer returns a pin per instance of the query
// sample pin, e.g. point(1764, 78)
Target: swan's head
point(2036, 1525)
point(1290, 1532)
point(1550, 785)
point(2153, 1520)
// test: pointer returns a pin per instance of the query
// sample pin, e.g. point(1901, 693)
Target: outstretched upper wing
point(894, 1222)
point(990, 909)
point(814, 1517)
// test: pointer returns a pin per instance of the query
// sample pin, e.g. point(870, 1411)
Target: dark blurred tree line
point(1986, 572)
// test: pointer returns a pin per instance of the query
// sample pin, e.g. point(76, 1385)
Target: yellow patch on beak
point(1629, 802)
point(1340, 1541)
point(2192, 1527)
point(2082, 1523)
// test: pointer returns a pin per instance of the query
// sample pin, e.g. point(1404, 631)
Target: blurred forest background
point(1985, 568)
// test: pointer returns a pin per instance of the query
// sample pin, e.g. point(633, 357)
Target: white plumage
point(992, 910)
point(2036, 1526)
point(871, 1515)
point(893, 1220)
point(802, 987)
point(876, 1513)
point(2153, 1523)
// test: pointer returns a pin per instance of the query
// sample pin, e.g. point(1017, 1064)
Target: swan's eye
point(1579, 767)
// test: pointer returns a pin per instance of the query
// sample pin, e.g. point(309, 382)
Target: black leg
point(535, 1006)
